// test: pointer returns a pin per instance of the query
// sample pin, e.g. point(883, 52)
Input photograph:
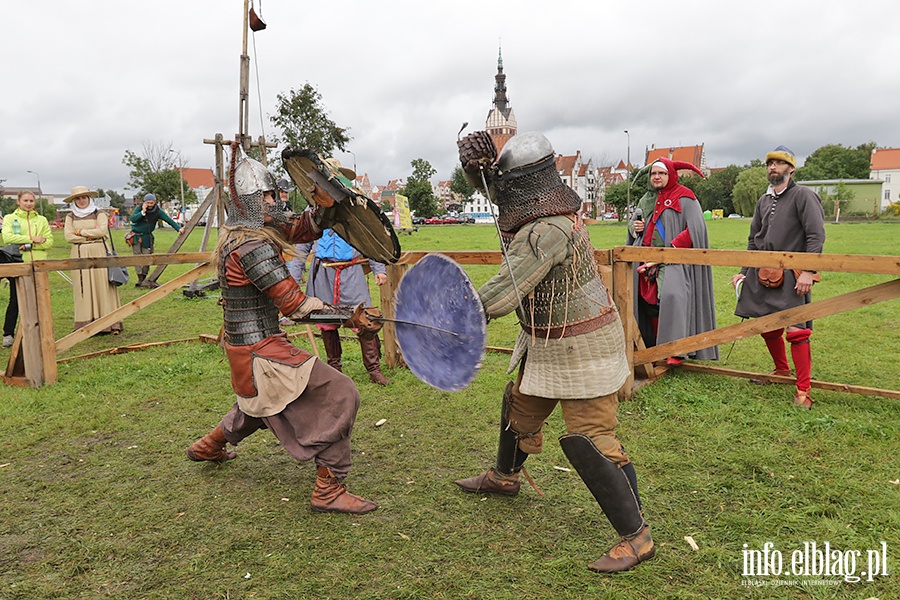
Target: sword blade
point(383, 319)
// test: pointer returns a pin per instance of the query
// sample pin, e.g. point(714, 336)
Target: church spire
point(500, 100)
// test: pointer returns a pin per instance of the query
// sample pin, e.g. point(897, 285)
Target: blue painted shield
point(438, 293)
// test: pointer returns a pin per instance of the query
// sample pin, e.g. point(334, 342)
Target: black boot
point(371, 355)
point(140, 279)
point(332, 341)
point(613, 491)
point(504, 478)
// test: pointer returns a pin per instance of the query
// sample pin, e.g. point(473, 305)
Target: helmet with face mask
point(527, 185)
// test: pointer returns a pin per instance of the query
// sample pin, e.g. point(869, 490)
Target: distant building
point(581, 176)
point(885, 167)
point(501, 119)
point(386, 193)
point(202, 181)
point(867, 193)
point(695, 155)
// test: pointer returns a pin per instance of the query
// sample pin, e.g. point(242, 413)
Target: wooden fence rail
point(33, 357)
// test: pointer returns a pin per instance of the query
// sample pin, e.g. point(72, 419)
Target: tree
point(460, 185)
point(116, 200)
point(750, 185)
point(304, 122)
point(838, 200)
point(155, 171)
point(714, 192)
point(617, 195)
point(419, 191)
point(834, 161)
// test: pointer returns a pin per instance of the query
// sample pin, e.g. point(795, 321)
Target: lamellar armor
point(250, 314)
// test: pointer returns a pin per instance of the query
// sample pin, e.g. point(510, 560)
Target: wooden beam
point(854, 263)
point(393, 356)
point(821, 385)
point(814, 310)
point(45, 316)
point(132, 307)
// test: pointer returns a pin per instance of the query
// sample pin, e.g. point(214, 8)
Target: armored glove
point(476, 150)
point(365, 319)
point(310, 304)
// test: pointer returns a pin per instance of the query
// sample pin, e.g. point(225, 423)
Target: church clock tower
point(501, 119)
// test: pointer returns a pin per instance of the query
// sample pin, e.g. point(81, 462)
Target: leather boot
point(504, 478)
point(626, 554)
point(331, 338)
point(140, 279)
point(371, 355)
point(330, 495)
point(611, 487)
point(211, 447)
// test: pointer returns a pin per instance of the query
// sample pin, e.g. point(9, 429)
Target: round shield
point(446, 345)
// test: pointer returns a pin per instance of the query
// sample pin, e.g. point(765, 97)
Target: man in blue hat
point(143, 222)
point(787, 218)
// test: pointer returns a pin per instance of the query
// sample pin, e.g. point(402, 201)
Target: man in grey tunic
point(672, 301)
point(571, 347)
point(787, 218)
point(336, 277)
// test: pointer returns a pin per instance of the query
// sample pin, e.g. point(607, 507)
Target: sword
point(339, 319)
point(385, 319)
point(737, 296)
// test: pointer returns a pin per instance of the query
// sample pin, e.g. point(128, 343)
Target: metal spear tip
point(461, 129)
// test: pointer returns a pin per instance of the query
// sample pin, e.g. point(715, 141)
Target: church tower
point(501, 119)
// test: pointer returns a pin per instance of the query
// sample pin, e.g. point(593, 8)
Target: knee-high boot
point(611, 486)
point(371, 355)
point(504, 478)
point(331, 339)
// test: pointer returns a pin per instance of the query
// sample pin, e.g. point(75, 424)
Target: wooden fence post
point(393, 357)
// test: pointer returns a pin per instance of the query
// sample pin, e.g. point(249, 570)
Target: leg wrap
point(607, 482)
point(509, 457)
point(775, 344)
point(802, 356)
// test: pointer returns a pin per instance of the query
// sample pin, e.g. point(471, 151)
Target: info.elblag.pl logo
point(813, 560)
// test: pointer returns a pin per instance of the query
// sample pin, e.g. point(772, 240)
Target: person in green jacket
point(143, 222)
point(27, 229)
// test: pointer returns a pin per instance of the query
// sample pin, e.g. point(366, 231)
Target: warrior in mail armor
point(571, 348)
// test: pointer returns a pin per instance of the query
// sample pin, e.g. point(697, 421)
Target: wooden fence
point(33, 357)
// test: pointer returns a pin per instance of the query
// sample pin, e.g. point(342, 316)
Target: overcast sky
point(85, 81)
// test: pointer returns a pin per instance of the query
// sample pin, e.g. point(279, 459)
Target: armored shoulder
point(262, 263)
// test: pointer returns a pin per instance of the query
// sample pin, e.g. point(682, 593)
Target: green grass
point(99, 500)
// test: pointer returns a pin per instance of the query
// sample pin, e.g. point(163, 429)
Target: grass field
point(99, 500)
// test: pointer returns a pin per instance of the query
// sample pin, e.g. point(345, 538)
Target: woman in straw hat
point(87, 229)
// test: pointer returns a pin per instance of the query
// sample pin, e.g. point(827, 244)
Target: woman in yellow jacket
point(27, 229)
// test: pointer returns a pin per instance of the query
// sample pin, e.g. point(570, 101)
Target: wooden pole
point(393, 357)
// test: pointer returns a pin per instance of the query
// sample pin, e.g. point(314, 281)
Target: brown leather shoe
point(626, 554)
point(775, 372)
point(379, 378)
point(211, 447)
point(330, 495)
point(491, 482)
point(803, 400)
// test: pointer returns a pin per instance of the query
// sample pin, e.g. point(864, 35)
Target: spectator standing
point(143, 222)
point(787, 218)
point(672, 301)
point(10, 254)
point(87, 229)
point(30, 234)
